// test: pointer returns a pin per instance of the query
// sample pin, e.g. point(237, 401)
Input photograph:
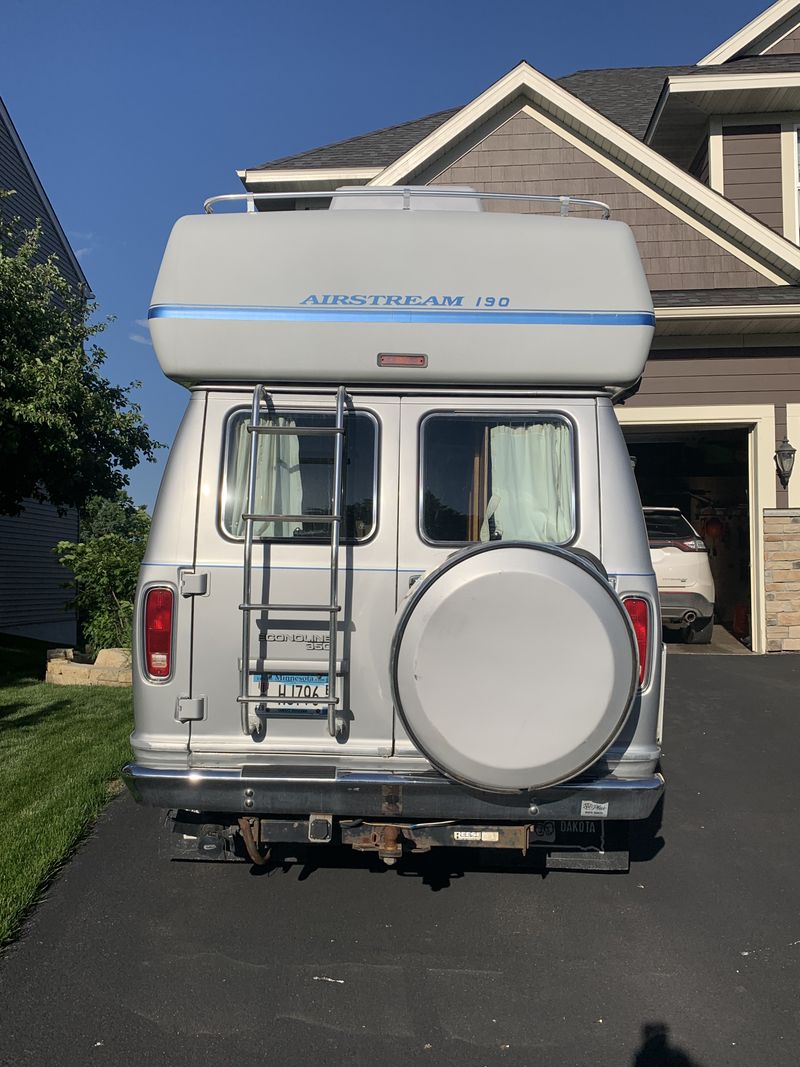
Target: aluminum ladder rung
point(290, 607)
point(296, 431)
point(287, 700)
point(255, 517)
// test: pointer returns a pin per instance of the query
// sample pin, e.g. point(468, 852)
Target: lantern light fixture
point(784, 461)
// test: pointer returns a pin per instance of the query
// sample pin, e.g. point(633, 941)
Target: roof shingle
point(626, 95)
point(378, 148)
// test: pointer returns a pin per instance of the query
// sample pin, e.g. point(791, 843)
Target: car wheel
point(699, 633)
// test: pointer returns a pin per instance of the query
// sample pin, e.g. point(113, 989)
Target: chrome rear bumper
point(281, 790)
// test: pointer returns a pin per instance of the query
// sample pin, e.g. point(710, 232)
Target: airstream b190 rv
point(398, 592)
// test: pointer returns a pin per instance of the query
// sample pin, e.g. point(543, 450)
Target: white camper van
point(398, 592)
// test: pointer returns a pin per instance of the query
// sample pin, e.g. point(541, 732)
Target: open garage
point(703, 471)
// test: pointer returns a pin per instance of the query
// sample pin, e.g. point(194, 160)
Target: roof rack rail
point(564, 202)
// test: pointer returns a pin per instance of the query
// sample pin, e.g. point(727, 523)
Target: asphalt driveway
point(691, 959)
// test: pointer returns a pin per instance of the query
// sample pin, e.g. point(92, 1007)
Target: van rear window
point(497, 478)
point(295, 477)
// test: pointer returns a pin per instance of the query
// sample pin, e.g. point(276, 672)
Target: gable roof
point(751, 34)
point(39, 198)
point(626, 95)
point(719, 218)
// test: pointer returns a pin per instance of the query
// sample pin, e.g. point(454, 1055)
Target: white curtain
point(279, 486)
point(531, 481)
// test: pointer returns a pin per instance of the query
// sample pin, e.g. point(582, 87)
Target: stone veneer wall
point(782, 574)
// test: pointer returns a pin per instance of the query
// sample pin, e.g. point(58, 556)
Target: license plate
point(295, 689)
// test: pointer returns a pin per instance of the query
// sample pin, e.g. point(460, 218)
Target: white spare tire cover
point(513, 666)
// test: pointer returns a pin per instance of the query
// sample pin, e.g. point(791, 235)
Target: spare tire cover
point(513, 666)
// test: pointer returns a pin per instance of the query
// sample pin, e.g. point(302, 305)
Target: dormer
point(732, 120)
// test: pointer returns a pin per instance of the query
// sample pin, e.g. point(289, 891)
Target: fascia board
point(606, 134)
point(730, 311)
point(489, 100)
point(754, 29)
point(658, 111)
point(309, 174)
point(705, 83)
point(716, 83)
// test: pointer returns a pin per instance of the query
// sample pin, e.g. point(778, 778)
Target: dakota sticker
point(591, 807)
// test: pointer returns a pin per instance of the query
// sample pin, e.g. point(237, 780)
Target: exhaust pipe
point(689, 617)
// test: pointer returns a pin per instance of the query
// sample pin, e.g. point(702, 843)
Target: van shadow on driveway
point(691, 959)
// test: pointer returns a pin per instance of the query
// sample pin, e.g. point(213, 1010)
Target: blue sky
point(134, 113)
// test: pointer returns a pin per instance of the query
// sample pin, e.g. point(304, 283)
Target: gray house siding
point(32, 597)
point(699, 165)
point(523, 156)
point(29, 202)
point(789, 46)
point(32, 593)
point(751, 167)
point(692, 377)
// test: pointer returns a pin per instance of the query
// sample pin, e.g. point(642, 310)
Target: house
point(32, 594)
point(702, 162)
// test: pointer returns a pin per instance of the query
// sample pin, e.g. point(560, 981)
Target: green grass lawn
point(60, 747)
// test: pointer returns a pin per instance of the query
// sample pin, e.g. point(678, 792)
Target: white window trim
point(793, 433)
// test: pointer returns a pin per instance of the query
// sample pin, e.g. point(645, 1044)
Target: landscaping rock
point(114, 658)
point(67, 667)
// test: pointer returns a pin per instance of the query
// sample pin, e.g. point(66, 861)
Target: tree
point(105, 568)
point(66, 433)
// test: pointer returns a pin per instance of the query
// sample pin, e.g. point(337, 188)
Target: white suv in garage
point(685, 582)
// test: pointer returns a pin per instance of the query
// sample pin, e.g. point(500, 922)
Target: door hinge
point(194, 583)
point(190, 709)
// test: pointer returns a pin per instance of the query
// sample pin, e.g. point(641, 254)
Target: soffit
point(688, 102)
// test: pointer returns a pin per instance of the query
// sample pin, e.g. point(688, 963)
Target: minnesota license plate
point(295, 689)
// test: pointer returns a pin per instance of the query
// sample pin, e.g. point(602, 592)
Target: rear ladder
point(255, 428)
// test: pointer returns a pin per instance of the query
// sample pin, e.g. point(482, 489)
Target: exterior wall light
point(784, 461)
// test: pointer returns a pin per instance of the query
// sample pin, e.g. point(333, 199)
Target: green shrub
point(105, 568)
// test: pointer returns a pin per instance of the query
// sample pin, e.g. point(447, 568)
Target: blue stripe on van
point(464, 316)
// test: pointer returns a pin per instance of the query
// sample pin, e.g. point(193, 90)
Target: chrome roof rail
point(564, 202)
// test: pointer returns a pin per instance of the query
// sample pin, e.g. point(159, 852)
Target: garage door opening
point(704, 474)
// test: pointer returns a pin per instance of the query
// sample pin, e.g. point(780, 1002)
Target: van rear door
point(291, 565)
point(477, 469)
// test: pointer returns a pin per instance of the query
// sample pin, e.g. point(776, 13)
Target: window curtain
point(530, 472)
point(279, 488)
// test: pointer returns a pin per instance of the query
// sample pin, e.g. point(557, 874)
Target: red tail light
point(158, 632)
point(689, 544)
point(639, 613)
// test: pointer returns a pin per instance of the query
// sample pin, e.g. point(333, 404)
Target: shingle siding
point(699, 165)
point(751, 167)
point(673, 379)
point(790, 45)
point(523, 156)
